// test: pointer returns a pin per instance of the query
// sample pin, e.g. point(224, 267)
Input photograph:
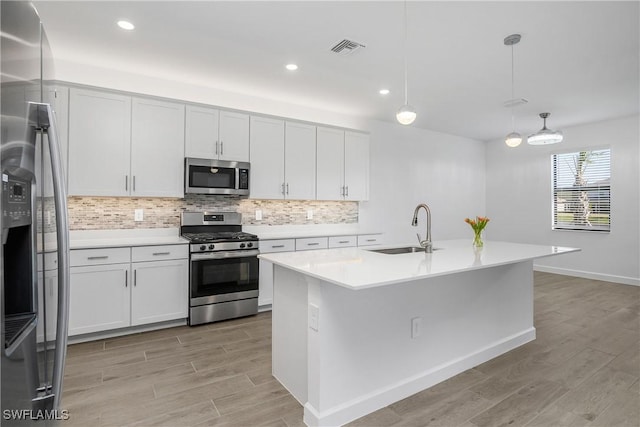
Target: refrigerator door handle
point(62, 231)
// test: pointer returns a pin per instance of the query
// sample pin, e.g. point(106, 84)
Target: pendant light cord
point(513, 124)
point(406, 97)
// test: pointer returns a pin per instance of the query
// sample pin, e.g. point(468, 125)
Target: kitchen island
point(355, 330)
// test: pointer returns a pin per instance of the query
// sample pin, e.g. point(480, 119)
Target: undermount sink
point(401, 250)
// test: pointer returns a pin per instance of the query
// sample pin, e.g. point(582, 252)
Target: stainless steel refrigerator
point(35, 244)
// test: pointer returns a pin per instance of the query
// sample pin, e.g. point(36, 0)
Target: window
point(582, 190)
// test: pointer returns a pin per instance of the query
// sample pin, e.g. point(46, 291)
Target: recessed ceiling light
point(291, 67)
point(126, 25)
point(384, 91)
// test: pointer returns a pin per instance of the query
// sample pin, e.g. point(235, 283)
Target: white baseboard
point(588, 275)
point(95, 336)
point(380, 398)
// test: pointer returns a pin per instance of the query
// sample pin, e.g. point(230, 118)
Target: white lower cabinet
point(265, 279)
point(99, 298)
point(106, 295)
point(159, 292)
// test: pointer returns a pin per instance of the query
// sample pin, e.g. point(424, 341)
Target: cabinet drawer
point(369, 240)
point(159, 253)
point(312, 243)
point(342, 241)
point(80, 257)
point(280, 245)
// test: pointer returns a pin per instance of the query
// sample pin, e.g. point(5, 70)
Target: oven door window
point(212, 177)
point(223, 276)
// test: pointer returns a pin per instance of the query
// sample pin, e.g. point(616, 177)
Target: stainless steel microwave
point(205, 176)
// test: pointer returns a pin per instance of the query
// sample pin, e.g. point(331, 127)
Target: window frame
point(576, 227)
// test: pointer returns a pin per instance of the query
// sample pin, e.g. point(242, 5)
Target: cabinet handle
point(134, 183)
point(98, 257)
point(126, 278)
point(287, 188)
point(372, 240)
point(126, 183)
point(313, 244)
point(343, 241)
point(346, 188)
point(277, 246)
point(135, 277)
point(282, 191)
point(217, 142)
point(221, 148)
point(161, 253)
point(342, 191)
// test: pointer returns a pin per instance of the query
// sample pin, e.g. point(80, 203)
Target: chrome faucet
point(426, 243)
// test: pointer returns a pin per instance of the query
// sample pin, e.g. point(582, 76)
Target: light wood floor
point(582, 370)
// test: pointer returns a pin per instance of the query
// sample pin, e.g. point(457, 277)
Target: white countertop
point(359, 268)
point(88, 239)
point(271, 232)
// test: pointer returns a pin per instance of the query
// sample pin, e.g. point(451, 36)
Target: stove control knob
point(211, 246)
point(241, 245)
point(203, 248)
point(249, 245)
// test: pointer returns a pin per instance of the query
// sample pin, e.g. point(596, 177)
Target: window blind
point(582, 190)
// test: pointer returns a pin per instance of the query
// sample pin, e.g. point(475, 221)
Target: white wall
point(519, 201)
point(411, 166)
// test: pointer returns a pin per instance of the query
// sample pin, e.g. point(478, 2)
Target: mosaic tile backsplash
point(101, 213)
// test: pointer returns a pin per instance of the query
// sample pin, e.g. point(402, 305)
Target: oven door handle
point(224, 254)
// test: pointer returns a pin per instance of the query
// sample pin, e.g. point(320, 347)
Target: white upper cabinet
point(300, 161)
point(356, 166)
point(267, 158)
point(157, 148)
point(343, 165)
point(234, 136)
point(216, 134)
point(330, 162)
point(201, 132)
point(99, 143)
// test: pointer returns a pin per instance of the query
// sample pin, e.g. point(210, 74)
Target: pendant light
point(545, 136)
point(514, 138)
point(406, 114)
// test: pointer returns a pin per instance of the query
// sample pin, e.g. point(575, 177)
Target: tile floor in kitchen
point(582, 370)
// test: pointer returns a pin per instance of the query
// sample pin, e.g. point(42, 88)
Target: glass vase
point(477, 240)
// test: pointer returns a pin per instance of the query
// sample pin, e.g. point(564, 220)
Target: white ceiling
point(578, 60)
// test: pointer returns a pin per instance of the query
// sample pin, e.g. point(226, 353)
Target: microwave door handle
point(237, 172)
point(62, 227)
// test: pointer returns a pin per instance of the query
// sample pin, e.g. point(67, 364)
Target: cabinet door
point(330, 164)
point(99, 298)
point(356, 166)
point(267, 158)
point(300, 161)
point(201, 133)
point(234, 136)
point(99, 143)
point(157, 148)
point(160, 291)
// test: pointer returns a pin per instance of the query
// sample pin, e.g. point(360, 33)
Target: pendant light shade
point(514, 138)
point(545, 136)
point(406, 114)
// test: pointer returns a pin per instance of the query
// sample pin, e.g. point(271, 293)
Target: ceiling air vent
point(346, 47)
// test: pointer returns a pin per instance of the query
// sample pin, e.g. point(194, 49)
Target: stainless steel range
point(223, 266)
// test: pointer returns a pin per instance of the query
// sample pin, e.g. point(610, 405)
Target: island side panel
point(289, 331)
point(364, 357)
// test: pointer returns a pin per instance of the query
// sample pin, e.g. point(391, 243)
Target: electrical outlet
point(314, 317)
point(309, 213)
point(416, 327)
point(138, 215)
point(258, 215)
